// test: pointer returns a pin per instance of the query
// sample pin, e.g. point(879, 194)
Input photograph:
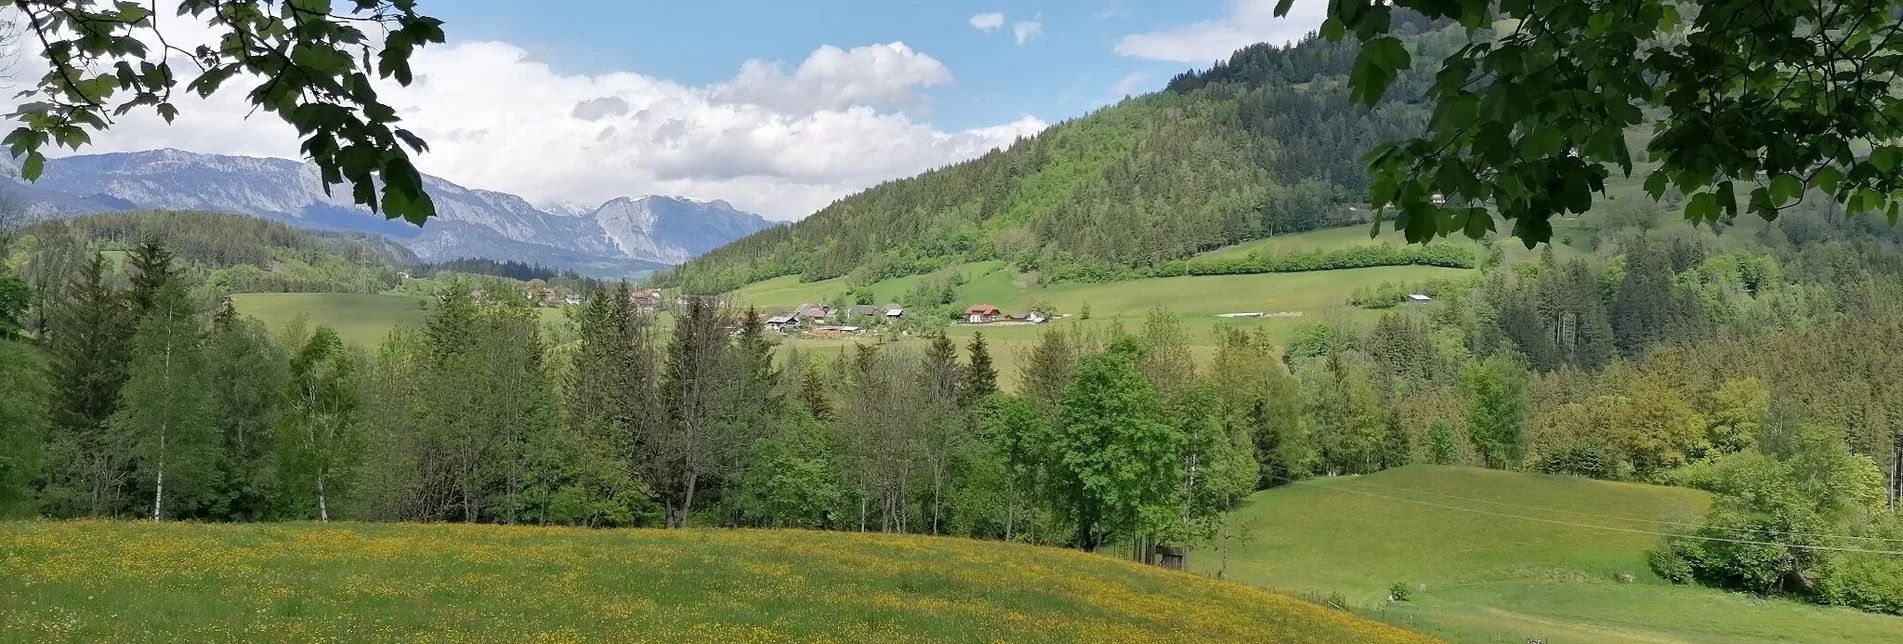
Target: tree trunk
point(158, 496)
point(1010, 506)
point(323, 507)
point(938, 484)
point(687, 502)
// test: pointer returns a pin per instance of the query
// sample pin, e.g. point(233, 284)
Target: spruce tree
point(87, 340)
point(1047, 372)
point(150, 267)
point(812, 393)
point(981, 377)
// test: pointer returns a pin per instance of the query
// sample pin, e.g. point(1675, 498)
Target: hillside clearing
point(94, 580)
point(1493, 578)
point(360, 319)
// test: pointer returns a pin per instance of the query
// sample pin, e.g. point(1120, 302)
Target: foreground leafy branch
point(1752, 104)
point(312, 66)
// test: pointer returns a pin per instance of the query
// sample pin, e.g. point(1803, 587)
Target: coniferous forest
point(1265, 143)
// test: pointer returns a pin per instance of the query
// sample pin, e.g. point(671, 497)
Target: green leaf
point(35, 164)
point(1656, 184)
point(1784, 188)
point(1702, 207)
point(1827, 179)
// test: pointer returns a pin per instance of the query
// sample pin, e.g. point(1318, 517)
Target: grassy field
point(358, 318)
point(1317, 297)
point(1495, 578)
point(106, 581)
point(1565, 232)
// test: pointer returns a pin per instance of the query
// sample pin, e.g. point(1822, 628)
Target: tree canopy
point(312, 63)
point(1752, 105)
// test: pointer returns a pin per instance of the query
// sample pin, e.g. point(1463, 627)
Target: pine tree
point(87, 343)
point(165, 410)
point(942, 370)
point(981, 378)
point(688, 450)
point(812, 393)
point(151, 268)
point(1047, 373)
point(452, 329)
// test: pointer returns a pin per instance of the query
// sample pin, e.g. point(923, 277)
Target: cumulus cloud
point(595, 109)
point(1027, 30)
point(987, 21)
point(775, 140)
point(1129, 84)
point(834, 79)
point(1248, 22)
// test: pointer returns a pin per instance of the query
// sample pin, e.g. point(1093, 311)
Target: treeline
point(1447, 255)
point(519, 271)
point(237, 253)
point(145, 405)
point(1224, 157)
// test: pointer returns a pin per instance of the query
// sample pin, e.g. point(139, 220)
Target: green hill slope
point(1491, 576)
point(101, 581)
point(1264, 144)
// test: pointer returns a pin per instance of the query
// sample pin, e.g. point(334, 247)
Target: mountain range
point(621, 238)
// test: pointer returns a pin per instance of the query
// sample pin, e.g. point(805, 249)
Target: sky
point(777, 107)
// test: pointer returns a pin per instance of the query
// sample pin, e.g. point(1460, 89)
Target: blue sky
point(778, 107)
point(1070, 66)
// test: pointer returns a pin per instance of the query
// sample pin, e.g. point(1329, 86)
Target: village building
point(813, 311)
point(783, 323)
point(646, 301)
point(892, 311)
point(866, 310)
point(981, 314)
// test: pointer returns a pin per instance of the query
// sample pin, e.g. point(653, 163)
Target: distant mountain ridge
point(623, 237)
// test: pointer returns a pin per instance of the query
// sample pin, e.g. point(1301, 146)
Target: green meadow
point(1505, 557)
point(99, 581)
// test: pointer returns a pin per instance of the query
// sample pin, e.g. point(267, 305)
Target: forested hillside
point(236, 253)
point(1265, 143)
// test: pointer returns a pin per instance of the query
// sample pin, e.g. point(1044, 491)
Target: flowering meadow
point(121, 581)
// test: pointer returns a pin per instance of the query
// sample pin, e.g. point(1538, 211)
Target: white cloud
point(778, 142)
point(1129, 84)
point(1027, 30)
point(1248, 22)
point(987, 21)
point(834, 79)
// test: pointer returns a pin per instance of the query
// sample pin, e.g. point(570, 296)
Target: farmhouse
point(981, 314)
point(867, 310)
point(783, 323)
point(539, 292)
point(892, 311)
point(812, 311)
point(646, 301)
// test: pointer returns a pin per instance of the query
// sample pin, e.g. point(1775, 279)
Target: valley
point(1024, 355)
